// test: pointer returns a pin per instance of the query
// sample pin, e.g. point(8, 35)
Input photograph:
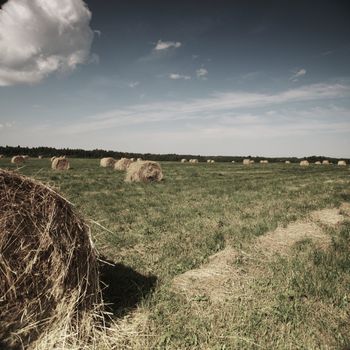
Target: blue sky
point(265, 78)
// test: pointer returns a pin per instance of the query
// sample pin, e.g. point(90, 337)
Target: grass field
point(299, 300)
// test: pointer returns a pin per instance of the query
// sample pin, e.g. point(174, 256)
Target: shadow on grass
point(122, 287)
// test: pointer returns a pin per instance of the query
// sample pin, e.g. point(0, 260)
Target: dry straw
point(17, 160)
point(107, 162)
point(304, 163)
point(145, 171)
point(122, 164)
point(60, 164)
point(49, 272)
point(342, 162)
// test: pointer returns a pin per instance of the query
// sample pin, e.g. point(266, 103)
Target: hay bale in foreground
point(48, 265)
point(304, 163)
point(122, 164)
point(60, 164)
point(107, 162)
point(146, 171)
point(17, 160)
point(342, 162)
point(53, 158)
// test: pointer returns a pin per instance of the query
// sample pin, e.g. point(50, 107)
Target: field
point(264, 293)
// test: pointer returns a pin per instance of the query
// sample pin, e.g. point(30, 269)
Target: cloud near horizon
point(164, 45)
point(41, 37)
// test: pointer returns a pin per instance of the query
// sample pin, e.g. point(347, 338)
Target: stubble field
point(284, 289)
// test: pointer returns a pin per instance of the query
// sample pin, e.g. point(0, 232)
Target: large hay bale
point(325, 162)
point(122, 164)
point(304, 163)
point(17, 160)
point(48, 266)
point(183, 160)
point(107, 162)
point(146, 171)
point(60, 164)
point(342, 162)
point(246, 161)
point(53, 158)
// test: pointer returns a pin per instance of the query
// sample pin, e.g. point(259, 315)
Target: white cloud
point(133, 84)
point(164, 45)
point(176, 76)
point(40, 37)
point(202, 73)
point(297, 74)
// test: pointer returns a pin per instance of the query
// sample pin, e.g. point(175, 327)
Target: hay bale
point(212, 161)
point(287, 162)
point(122, 164)
point(60, 164)
point(17, 160)
point(53, 158)
point(194, 161)
point(2, 156)
point(251, 161)
point(208, 160)
point(145, 171)
point(233, 162)
point(139, 159)
point(184, 160)
point(107, 162)
point(246, 161)
point(342, 162)
point(40, 157)
point(304, 163)
point(132, 159)
point(325, 162)
point(48, 265)
point(318, 163)
point(25, 157)
point(264, 161)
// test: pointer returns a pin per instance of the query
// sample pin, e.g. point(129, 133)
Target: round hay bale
point(251, 161)
point(318, 163)
point(122, 164)
point(146, 171)
point(25, 157)
point(212, 161)
point(184, 160)
point(53, 158)
point(287, 161)
point(264, 161)
point(40, 157)
point(60, 164)
point(17, 160)
point(325, 162)
point(246, 161)
point(193, 160)
point(208, 160)
point(139, 159)
point(233, 162)
point(132, 159)
point(48, 265)
point(2, 156)
point(342, 162)
point(304, 163)
point(107, 162)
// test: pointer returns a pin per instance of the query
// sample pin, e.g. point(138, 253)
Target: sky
point(244, 77)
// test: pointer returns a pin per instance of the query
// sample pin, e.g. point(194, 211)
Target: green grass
point(296, 302)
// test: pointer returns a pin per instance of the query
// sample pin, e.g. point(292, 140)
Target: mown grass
point(301, 301)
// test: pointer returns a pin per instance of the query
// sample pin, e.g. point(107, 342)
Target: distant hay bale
point(325, 162)
point(49, 271)
point(145, 171)
point(287, 162)
point(25, 157)
point(318, 163)
point(139, 159)
point(251, 161)
point(246, 161)
point(264, 161)
point(60, 164)
point(342, 162)
point(1, 156)
point(304, 163)
point(122, 164)
point(17, 160)
point(107, 162)
point(132, 159)
point(183, 160)
point(40, 157)
point(208, 160)
point(233, 162)
point(193, 160)
point(53, 158)
point(212, 161)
